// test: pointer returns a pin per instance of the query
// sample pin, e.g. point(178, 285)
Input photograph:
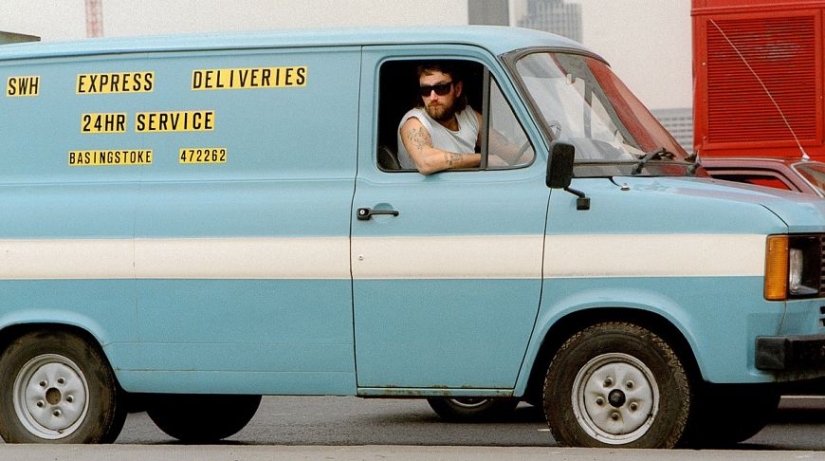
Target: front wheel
point(57, 388)
point(472, 409)
point(616, 385)
point(202, 418)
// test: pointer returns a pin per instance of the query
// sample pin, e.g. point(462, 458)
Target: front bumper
point(791, 353)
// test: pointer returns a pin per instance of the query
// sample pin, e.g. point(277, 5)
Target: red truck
point(781, 173)
point(759, 91)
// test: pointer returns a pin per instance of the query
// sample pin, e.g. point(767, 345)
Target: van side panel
point(201, 226)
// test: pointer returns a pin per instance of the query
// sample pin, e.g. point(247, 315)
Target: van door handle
point(364, 214)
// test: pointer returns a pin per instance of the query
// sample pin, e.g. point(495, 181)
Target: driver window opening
point(399, 92)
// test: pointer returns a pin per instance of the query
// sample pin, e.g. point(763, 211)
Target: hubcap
point(50, 396)
point(615, 398)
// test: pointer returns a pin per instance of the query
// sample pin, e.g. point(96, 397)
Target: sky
point(647, 42)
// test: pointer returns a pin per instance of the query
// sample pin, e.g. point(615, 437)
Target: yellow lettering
point(110, 157)
point(22, 86)
point(248, 78)
point(103, 123)
point(161, 122)
point(202, 155)
point(115, 82)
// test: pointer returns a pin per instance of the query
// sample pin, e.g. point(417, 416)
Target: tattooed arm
point(427, 158)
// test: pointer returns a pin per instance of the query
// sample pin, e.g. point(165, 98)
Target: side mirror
point(560, 165)
point(560, 172)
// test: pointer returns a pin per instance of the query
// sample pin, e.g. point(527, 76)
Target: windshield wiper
point(658, 154)
point(694, 164)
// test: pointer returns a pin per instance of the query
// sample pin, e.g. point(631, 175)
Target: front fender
point(720, 341)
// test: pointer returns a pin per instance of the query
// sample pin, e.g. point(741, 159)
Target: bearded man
point(443, 132)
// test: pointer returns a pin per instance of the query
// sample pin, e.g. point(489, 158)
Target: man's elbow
point(428, 168)
point(429, 164)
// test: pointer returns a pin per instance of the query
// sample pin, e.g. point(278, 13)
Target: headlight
point(793, 267)
point(796, 262)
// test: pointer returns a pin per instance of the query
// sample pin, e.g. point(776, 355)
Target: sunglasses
point(441, 89)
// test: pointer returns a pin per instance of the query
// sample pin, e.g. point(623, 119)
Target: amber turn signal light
point(776, 268)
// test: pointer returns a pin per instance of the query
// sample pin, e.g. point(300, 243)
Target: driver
point(443, 132)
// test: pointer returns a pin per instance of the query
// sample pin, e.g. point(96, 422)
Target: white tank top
point(461, 141)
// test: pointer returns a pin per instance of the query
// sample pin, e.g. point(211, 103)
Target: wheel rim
point(469, 403)
point(51, 396)
point(615, 398)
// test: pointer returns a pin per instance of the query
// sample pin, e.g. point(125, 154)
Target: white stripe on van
point(66, 259)
point(641, 255)
point(243, 258)
point(209, 258)
point(448, 257)
point(376, 258)
point(567, 256)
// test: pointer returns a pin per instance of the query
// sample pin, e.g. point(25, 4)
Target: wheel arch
point(11, 332)
point(573, 322)
point(25, 348)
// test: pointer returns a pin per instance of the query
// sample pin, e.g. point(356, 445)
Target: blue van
point(190, 223)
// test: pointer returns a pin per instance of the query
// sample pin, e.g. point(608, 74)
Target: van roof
point(496, 39)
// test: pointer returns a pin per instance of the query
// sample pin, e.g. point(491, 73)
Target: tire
point(202, 418)
point(469, 409)
point(58, 388)
point(616, 385)
point(726, 415)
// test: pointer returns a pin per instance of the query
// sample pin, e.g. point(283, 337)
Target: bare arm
point(427, 158)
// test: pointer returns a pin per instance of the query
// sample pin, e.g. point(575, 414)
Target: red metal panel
point(751, 6)
point(759, 81)
point(761, 74)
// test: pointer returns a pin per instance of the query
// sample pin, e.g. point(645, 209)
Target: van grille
point(822, 266)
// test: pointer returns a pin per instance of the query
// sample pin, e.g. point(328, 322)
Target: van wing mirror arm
point(560, 172)
point(582, 202)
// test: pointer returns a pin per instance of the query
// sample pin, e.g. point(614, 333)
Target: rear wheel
point(472, 409)
point(616, 385)
point(202, 418)
point(57, 388)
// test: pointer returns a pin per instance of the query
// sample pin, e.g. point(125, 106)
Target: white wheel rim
point(51, 396)
point(470, 403)
point(615, 398)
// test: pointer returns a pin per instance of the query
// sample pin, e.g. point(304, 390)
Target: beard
point(440, 112)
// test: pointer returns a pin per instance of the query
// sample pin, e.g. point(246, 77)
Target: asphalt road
point(348, 428)
point(355, 421)
point(350, 421)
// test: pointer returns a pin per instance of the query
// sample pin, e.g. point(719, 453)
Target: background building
point(555, 16)
point(679, 122)
point(488, 12)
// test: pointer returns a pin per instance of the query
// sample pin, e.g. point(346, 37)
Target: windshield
point(814, 173)
point(583, 103)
